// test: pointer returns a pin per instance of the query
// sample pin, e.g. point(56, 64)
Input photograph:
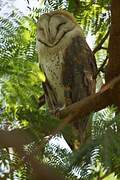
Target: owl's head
point(54, 26)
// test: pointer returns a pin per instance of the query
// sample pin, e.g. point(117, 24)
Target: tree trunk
point(113, 67)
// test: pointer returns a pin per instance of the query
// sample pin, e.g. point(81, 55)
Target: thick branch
point(113, 67)
point(15, 138)
point(89, 104)
point(39, 171)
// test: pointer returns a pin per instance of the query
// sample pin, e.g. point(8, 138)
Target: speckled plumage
point(66, 60)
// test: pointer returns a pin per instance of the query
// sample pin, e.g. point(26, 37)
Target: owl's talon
point(57, 112)
point(68, 101)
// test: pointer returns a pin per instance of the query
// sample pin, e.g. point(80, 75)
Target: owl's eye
point(58, 27)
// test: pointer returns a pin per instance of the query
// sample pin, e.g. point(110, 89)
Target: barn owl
point(66, 60)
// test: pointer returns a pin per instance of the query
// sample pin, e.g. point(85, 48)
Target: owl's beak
point(51, 39)
point(52, 34)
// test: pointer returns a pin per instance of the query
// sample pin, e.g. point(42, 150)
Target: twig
point(105, 48)
point(99, 46)
point(109, 172)
point(101, 67)
point(41, 101)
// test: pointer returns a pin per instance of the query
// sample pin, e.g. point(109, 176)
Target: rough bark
point(15, 138)
point(113, 67)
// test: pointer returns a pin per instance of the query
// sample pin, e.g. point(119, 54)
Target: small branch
point(41, 101)
point(105, 48)
point(99, 46)
point(101, 67)
point(110, 172)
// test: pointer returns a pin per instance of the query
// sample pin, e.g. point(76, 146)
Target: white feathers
point(54, 34)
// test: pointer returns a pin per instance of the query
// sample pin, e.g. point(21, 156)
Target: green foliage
point(20, 83)
point(100, 156)
point(20, 88)
point(20, 74)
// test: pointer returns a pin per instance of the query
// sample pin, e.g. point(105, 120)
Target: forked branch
point(99, 46)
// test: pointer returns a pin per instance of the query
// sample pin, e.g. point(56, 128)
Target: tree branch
point(89, 104)
point(98, 101)
point(15, 138)
point(105, 48)
point(99, 46)
point(41, 101)
point(101, 67)
point(39, 171)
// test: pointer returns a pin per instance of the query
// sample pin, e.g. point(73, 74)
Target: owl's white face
point(52, 28)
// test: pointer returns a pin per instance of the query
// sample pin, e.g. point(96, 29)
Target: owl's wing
point(78, 77)
point(79, 70)
point(50, 96)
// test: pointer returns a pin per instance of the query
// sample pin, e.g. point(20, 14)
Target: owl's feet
point(57, 111)
point(68, 101)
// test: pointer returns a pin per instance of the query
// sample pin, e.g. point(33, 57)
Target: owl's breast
point(52, 66)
